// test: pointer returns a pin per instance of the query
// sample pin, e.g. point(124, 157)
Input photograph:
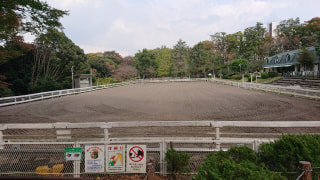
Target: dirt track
point(166, 101)
point(184, 101)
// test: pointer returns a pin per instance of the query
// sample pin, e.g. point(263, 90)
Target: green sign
point(73, 154)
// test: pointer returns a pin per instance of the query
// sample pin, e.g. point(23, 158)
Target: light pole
point(240, 68)
point(72, 77)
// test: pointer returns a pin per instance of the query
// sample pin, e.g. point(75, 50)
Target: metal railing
point(21, 157)
point(7, 101)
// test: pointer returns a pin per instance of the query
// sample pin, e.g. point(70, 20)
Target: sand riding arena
point(178, 101)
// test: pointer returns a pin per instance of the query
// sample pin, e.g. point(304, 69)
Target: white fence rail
point(23, 157)
point(7, 101)
point(294, 91)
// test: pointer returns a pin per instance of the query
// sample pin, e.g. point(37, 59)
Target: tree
point(306, 58)
point(21, 16)
point(309, 32)
point(164, 61)
point(112, 55)
point(54, 56)
point(102, 66)
point(127, 60)
point(235, 45)
point(220, 45)
point(180, 58)
point(201, 59)
point(17, 74)
point(289, 32)
point(235, 65)
point(255, 39)
point(145, 63)
point(125, 72)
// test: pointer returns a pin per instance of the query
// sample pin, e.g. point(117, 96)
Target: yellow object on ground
point(43, 170)
point(54, 171)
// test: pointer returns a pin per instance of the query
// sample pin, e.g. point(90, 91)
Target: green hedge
point(264, 75)
point(236, 77)
point(273, 74)
point(253, 78)
point(284, 154)
point(237, 163)
point(178, 162)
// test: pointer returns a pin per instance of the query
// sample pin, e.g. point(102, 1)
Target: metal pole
point(72, 77)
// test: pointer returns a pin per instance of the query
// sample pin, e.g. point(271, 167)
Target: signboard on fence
point(94, 156)
point(136, 158)
point(115, 158)
point(73, 154)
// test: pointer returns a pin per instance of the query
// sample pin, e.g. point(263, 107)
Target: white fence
point(294, 91)
point(22, 156)
point(53, 94)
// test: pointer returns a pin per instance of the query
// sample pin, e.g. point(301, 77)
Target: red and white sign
point(136, 158)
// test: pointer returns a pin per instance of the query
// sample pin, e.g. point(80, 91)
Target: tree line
point(223, 53)
point(46, 64)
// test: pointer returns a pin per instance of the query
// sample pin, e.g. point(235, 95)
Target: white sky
point(127, 26)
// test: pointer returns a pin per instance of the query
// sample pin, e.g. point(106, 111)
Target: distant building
point(271, 29)
point(286, 62)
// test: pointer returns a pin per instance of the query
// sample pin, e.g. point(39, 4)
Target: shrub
point(285, 153)
point(247, 75)
point(253, 78)
point(273, 74)
point(236, 77)
point(178, 162)
point(225, 76)
point(107, 80)
point(237, 163)
point(264, 75)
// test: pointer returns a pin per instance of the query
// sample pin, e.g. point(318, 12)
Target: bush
point(178, 162)
point(237, 163)
point(107, 80)
point(253, 78)
point(225, 76)
point(236, 77)
point(264, 75)
point(44, 85)
point(273, 74)
point(285, 153)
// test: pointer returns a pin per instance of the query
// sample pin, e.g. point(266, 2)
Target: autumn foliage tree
point(21, 16)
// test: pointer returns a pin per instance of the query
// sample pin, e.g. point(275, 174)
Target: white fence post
point(163, 164)
point(76, 164)
point(218, 137)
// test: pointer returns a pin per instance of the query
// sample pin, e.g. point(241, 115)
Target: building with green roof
point(287, 63)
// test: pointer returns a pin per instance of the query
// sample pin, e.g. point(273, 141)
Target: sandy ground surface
point(181, 101)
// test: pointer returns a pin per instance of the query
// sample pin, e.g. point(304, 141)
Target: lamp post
point(240, 68)
point(72, 77)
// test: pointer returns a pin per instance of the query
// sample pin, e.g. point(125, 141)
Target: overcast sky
point(127, 26)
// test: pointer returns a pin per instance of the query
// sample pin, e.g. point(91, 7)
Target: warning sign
point(136, 158)
point(115, 158)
